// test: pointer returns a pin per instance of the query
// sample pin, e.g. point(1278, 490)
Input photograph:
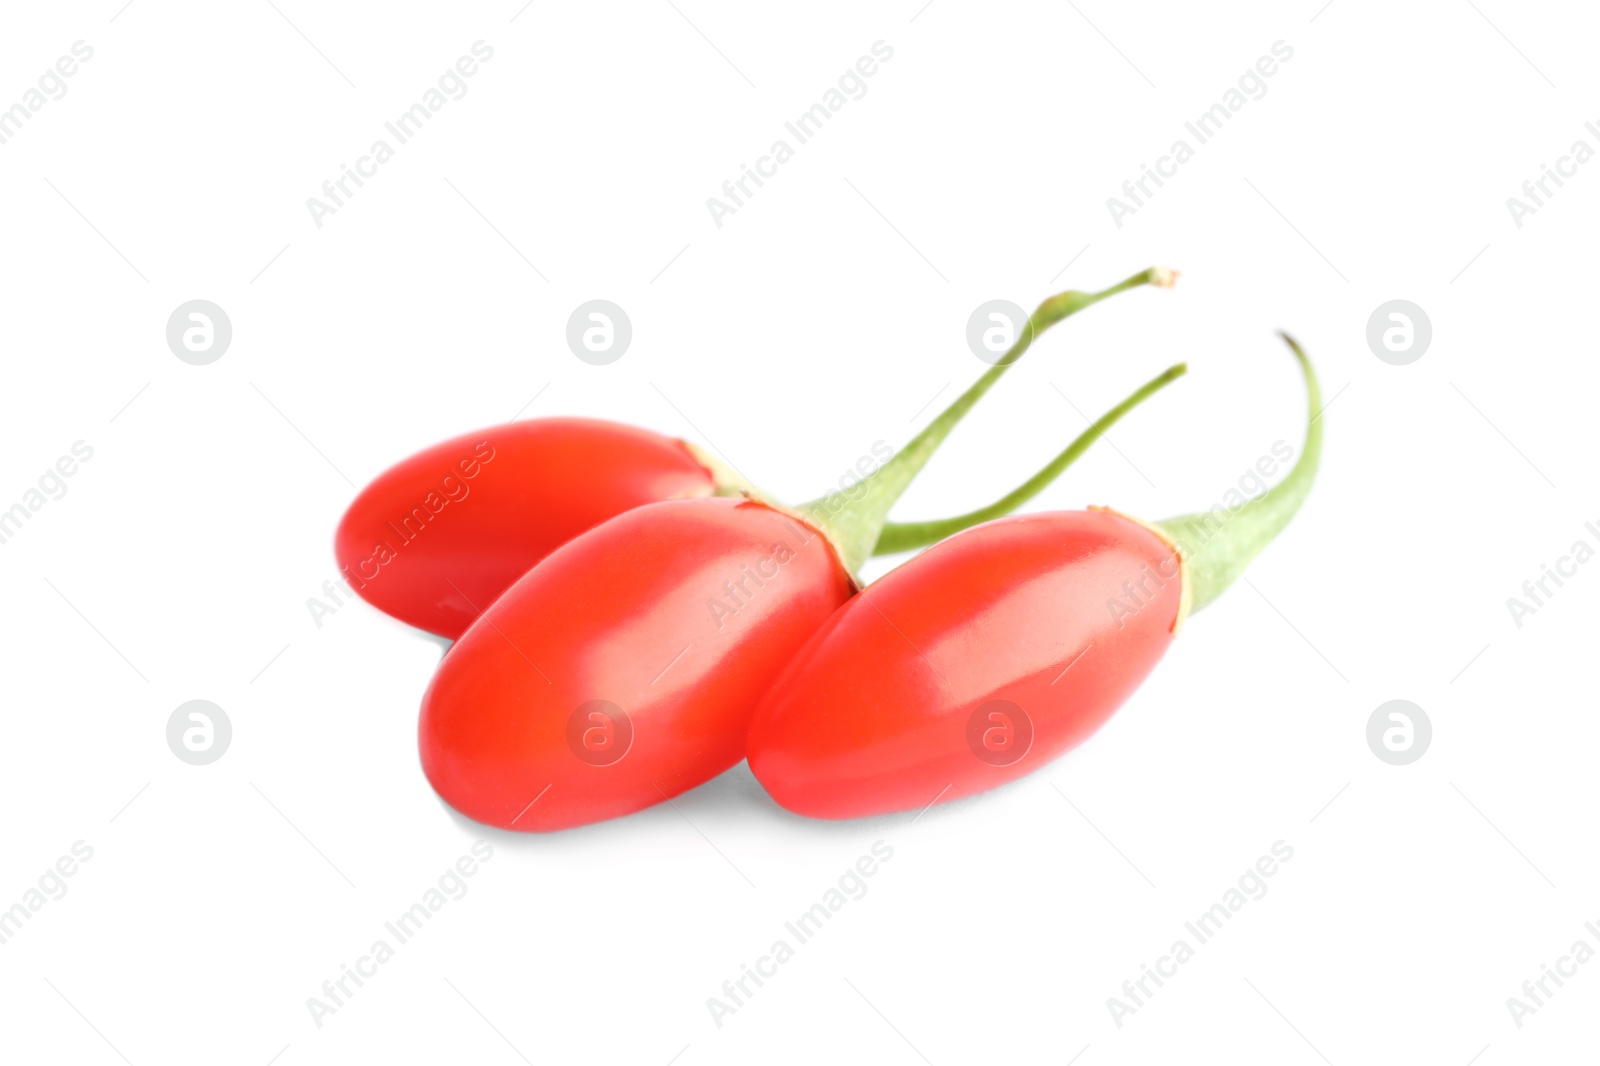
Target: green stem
point(905, 536)
point(1217, 545)
point(853, 526)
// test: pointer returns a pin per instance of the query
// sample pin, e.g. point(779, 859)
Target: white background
point(820, 318)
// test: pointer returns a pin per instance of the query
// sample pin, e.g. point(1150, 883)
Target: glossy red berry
point(436, 538)
point(987, 656)
point(623, 669)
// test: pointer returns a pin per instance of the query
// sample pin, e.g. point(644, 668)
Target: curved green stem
point(904, 536)
point(853, 525)
point(1217, 545)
